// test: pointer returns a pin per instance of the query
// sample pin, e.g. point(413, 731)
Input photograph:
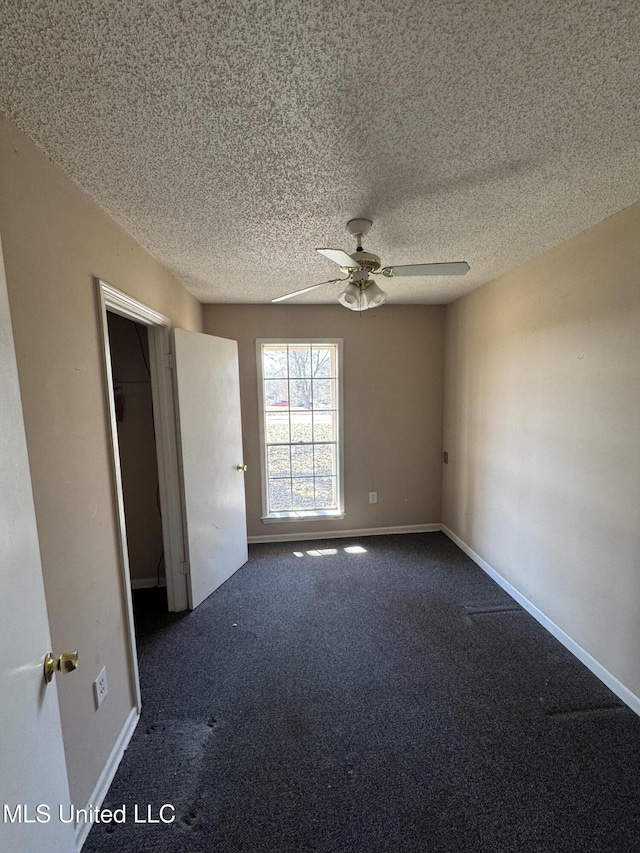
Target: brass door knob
point(67, 662)
point(241, 467)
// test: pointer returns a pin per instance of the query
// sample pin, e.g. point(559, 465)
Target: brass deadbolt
point(67, 662)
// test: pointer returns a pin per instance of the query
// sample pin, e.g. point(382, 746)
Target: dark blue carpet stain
point(389, 702)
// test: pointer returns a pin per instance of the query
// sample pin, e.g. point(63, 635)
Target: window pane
point(302, 461)
point(324, 456)
point(274, 361)
point(326, 497)
point(277, 427)
point(301, 426)
point(279, 462)
point(279, 495)
point(300, 391)
point(324, 394)
point(322, 362)
point(302, 493)
point(276, 393)
point(325, 426)
point(299, 361)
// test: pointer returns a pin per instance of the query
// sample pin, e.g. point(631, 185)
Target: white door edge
point(209, 425)
point(34, 768)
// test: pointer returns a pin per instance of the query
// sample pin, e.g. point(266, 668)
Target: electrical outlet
point(445, 458)
point(373, 497)
point(100, 687)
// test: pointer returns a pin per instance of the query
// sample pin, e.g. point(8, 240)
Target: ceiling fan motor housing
point(366, 261)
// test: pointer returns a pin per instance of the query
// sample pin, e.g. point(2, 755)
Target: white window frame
point(301, 515)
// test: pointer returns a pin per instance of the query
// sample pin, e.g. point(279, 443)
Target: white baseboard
point(108, 772)
point(344, 534)
point(147, 583)
point(607, 678)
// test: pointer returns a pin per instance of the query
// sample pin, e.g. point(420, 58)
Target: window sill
point(302, 515)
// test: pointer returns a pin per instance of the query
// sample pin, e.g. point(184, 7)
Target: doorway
point(133, 404)
point(194, 380)
point(111, 301)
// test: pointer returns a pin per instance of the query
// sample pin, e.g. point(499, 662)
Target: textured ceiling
point(231, 138)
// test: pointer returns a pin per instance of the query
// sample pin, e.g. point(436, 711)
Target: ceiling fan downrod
point(359, 228)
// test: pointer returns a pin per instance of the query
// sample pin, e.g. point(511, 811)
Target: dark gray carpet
point(394, 701)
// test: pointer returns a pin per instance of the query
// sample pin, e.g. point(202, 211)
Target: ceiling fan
point(362, 292)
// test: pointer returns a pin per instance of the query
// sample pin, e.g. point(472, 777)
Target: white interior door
point(210, 429)
point(34, 771)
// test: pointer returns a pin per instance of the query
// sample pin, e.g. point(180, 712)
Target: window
point(300, 425)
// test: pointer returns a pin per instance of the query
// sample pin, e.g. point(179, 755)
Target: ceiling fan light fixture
point(350, 297)
point(374, 296)
point(360, 297)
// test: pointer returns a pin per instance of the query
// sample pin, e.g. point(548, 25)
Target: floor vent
point(480, 609)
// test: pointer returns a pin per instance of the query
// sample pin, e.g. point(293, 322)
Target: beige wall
point(542, 426)
point(55, 240)
point(392, 406)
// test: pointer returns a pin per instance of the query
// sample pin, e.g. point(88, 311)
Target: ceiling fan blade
point(339, 257)
point(306, 289)
point(453, 268)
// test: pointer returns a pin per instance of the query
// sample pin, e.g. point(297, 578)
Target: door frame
point(162, 389)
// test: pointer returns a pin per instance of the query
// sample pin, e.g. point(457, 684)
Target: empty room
point(320, 341)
